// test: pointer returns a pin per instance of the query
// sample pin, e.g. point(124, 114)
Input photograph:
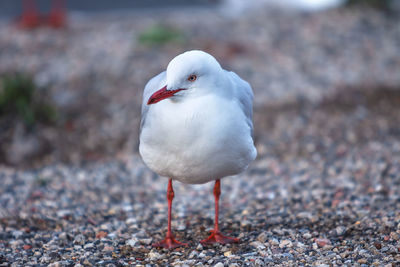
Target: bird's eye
point(192, 78)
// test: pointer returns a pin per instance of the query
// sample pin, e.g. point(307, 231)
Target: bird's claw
point(169, 242)
point(217, 237)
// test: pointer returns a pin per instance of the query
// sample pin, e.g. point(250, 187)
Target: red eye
point(192, 78)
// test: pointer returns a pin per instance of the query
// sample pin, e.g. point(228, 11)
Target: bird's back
point(244, 95)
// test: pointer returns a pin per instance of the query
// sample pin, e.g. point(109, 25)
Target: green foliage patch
point(159, 34)
point(20, 98)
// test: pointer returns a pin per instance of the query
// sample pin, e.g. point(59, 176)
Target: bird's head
point(191, 73)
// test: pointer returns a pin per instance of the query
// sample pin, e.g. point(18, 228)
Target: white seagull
point(197, 127)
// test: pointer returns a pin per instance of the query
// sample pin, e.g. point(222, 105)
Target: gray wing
point(156, 83)
point(245, 95)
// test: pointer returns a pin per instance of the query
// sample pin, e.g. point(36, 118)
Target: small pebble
point(321, 242)
point(285, 244)
point(262, 237)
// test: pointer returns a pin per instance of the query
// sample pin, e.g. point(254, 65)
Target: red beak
point(162, 94)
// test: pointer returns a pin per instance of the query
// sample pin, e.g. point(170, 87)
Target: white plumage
point(204, 131)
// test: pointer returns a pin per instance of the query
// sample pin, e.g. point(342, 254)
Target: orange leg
point(216, 236)
point(169, 240)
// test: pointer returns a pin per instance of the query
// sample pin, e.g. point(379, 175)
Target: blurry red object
point(31, 18)
point(57, 17)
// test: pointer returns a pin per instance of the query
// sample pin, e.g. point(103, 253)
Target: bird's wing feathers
point(245, 96)
point(156, 83)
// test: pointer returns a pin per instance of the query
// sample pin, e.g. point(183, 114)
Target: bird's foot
point(169, 242)
point(217, 237)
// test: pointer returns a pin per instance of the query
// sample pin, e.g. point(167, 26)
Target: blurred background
point(72, 72)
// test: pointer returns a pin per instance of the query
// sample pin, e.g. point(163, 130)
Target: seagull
point(196, 127)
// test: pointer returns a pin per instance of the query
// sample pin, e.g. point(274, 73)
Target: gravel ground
point(324, 190)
